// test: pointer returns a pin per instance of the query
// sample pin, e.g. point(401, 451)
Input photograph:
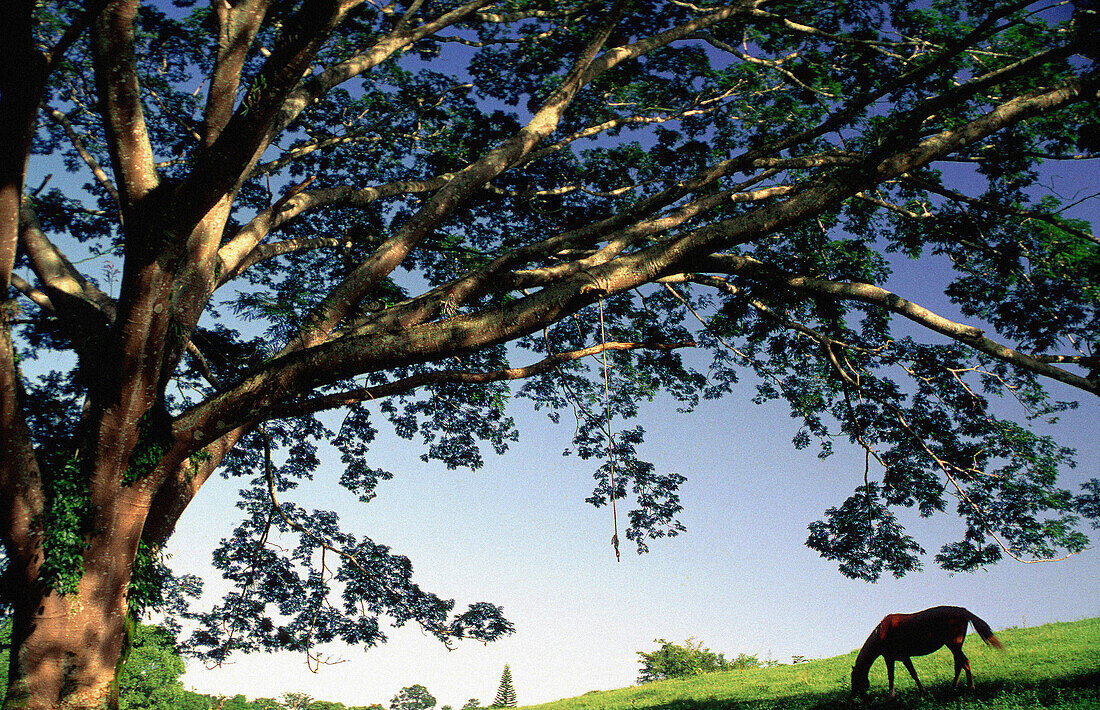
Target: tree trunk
point(65, 651)
point(65, 648)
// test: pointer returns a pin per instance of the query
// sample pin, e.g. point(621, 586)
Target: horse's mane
point(870, 649)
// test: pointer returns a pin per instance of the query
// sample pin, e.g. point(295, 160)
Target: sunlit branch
point(704, 106)
point(1092, 362)
point(408, 384)
point(577, 246)
point(566, 189)
point(350, 136)
point(328, 362)
point(237, 28)
point(491, 43)
point(877, 296)
point(828, 189)
point(967, 90)
point(498, 18)
point(180, 120)
point(301, 151)
point(645, 228)
point(897, 209)
point(876, 45)
point(732, 289)
point(775, 65)
point(296, 202)
point(89, 159)
point(123, 114)
point(54, 270)
point(617, 55)
point(37, 297)
point(317, 86)
point(744, 55)
point(1061, 156)
point(274, 249)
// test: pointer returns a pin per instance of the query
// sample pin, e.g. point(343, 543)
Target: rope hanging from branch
point(610, 439)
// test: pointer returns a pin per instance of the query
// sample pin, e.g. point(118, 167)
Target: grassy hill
point(1051, 666)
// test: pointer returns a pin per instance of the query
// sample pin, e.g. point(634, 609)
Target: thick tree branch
point(640, 230)
point(37, 297)
point(237, 250)
point(408, 384)
point(120, 103)
point(277, 97)
point(396, 40)
point(222, 166)
point(237, 27)
point(58, 276)
point(23, 73)
point(20, 479)
point(274, 249)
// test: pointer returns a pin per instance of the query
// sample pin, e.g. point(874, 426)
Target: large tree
point(398, 208)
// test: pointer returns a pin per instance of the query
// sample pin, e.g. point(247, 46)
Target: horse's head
point(860, 682)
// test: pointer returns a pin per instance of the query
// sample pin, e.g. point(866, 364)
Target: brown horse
point(899, 636)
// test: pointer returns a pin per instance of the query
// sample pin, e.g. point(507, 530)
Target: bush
point(675, 661)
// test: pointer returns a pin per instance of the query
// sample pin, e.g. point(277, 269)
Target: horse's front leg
point(890, 675)
point(913, 672)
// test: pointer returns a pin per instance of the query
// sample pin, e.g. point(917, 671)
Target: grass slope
point(1051, 666)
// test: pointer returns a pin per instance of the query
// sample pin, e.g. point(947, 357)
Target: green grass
point(1051, 666)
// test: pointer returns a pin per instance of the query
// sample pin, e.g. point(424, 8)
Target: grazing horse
point(899, 636)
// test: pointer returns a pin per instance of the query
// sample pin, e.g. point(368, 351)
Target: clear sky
point(518, 533)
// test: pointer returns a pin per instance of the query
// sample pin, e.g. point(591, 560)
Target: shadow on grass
point(1064, 693)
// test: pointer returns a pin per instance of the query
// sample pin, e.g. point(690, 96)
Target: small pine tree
point(506, 694)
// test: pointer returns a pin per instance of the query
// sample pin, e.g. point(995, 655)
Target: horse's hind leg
point(913, 672)
point(961, 663)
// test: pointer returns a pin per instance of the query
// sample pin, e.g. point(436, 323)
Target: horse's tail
point(984, 631)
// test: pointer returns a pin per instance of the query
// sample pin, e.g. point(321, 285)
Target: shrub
point(675, 661)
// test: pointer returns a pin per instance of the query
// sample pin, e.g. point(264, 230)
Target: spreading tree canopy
point(247, 213)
